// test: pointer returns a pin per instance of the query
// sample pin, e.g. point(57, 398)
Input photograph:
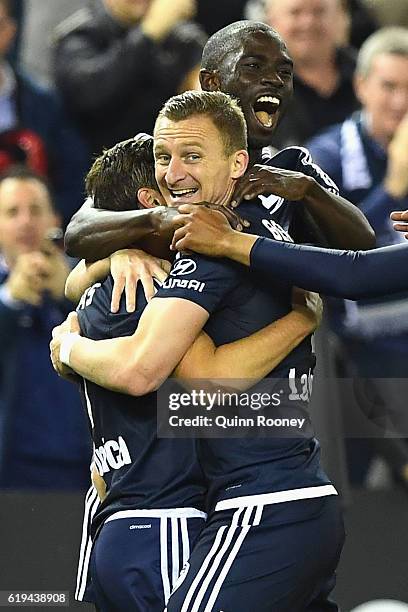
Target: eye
point(193, 157)
point(286, 73)
point(252, 65)
point(163, 159)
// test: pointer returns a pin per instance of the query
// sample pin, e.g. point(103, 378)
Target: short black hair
point(119, 172)
point(229, 38)
point(222, 109)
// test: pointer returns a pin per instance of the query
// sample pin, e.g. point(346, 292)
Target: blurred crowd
point(77, 77)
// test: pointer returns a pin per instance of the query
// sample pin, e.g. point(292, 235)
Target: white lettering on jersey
point(195, 285)
point(87, 296)
point(112, 455)
point(276, 230)
point(271, 202)
point(182, 267)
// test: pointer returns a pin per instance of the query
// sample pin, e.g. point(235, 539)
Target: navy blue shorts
point(269, 558)
point(138, 555)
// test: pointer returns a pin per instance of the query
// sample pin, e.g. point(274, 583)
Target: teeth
point(271, 99)
point(179, 192)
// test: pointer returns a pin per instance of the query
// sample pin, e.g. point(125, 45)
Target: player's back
point(141, 470)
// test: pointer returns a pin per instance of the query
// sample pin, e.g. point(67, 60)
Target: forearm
point(83, 276)
point(346, 274)
point(95, 234)
point(112, 364)
point(342, 223)
point(249, 359)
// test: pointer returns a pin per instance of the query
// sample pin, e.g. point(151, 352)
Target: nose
point(175, 172)
point(272, 78)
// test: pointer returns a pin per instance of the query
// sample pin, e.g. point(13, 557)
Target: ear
point(210, 80)
point(240, 160)
point(147, 197)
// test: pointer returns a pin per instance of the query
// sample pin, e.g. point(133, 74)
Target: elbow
point(368, 240)
point(137, 384)
point(70, 290)
point(72, 238)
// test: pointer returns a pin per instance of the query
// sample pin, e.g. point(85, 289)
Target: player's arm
point(343, 224)
point(95, 233)
point(83, 276)
point(255, 356)
point(347, 274)
point(135, 364)
point(128, 267)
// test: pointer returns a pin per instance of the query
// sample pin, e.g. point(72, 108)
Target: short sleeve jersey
point(240, 305)
point(141, 470)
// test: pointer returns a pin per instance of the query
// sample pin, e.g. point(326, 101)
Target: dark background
point(40, 536)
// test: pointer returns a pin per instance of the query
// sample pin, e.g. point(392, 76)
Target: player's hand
point(128, 267)
point(201, 229)
point(70, 325)
point(267, 180)
point(99, 483)
point(308, 304)
point(401, 217)
point(175, 11)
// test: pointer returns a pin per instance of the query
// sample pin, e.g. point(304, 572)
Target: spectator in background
point(44, 443)
point(38, 25)
point(34, 130)
point(118, 61)
point(323, 72)
point(367, 156)
point(389, 12)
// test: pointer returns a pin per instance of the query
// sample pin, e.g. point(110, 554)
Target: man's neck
point(255, 156)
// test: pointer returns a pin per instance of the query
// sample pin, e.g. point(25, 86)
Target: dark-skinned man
point(250, 61)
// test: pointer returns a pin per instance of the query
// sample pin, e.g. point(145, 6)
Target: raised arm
point(342, 224)
point(95, 233)
point(347, 274)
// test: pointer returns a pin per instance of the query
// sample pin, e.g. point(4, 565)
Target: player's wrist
point(237, 246)
point(66, 346)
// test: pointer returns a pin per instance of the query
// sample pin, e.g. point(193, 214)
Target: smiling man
point(269, 499)
point(248, 60)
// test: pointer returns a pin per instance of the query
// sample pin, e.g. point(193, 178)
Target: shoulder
point(203, 280)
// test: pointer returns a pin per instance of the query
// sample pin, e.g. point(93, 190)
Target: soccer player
point(348, 274)
point(270, 502)
point(250, 61)
point(154, 504)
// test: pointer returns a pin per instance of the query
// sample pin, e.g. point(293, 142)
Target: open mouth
point(182, 193)
point(265, 109)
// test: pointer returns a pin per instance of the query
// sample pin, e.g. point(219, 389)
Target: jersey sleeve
point(309, 167)
point(200, 279)
point(352, 275)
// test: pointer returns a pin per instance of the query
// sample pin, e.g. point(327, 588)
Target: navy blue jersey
point(276, 209)
point(140, 470)
point(239, 305)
